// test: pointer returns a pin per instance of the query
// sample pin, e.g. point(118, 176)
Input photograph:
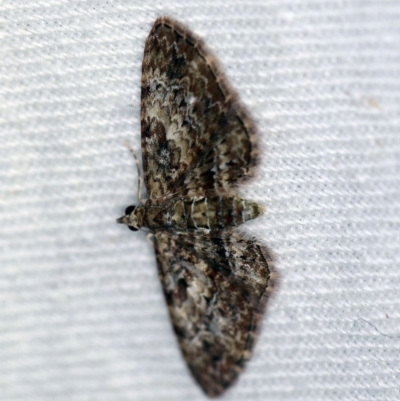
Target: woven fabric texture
point(82, 316)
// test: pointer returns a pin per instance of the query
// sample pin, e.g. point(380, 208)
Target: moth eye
point(129, 209)
point(133, 228)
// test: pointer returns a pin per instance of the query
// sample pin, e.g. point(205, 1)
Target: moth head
point(130, 218)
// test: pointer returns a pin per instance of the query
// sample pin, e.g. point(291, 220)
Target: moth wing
point(216, 289)
point(196, 136)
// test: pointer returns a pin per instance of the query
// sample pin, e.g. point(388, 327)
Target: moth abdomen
point(201, 213)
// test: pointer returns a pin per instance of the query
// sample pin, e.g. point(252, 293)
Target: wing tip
point(232, 98)
point(215, 386)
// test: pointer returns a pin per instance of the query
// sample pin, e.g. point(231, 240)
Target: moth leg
point(150, 239)
point(140, 177)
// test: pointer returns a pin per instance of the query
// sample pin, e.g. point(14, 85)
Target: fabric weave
point(82, 316)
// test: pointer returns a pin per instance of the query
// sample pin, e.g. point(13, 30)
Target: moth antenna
point(140, 177)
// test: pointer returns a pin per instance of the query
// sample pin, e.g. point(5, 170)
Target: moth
point(199, 144)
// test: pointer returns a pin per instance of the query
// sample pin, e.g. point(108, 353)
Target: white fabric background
point(81, 311)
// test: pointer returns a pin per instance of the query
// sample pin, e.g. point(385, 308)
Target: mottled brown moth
point(199, 144)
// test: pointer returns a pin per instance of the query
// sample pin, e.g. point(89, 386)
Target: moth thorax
point(137, 216)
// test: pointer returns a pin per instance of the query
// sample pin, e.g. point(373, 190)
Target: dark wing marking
point(216, 290)
point(196, 136)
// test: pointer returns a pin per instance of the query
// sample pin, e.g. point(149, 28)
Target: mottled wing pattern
point(216, 289)
point(196, 136)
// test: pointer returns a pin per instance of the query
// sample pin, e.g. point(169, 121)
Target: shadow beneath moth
point(199, 145)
